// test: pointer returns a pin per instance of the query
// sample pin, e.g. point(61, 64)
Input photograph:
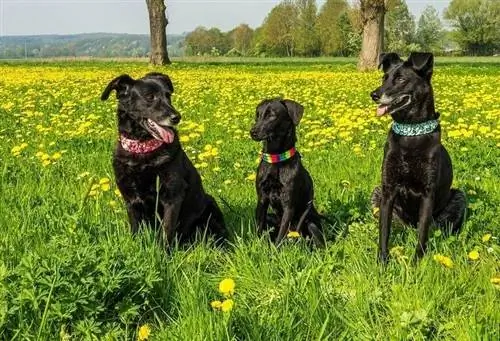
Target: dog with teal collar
point(417, 171)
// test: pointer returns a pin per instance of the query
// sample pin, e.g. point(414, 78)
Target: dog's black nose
point(175, 119)
point(375, 96)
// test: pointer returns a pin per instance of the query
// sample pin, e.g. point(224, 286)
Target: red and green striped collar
point(277, 158)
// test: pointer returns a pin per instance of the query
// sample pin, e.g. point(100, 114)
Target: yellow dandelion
point(495, 280)
point(293, 234)
point(45, 163)
point(56, 156)
point(216, 304)
point(227, 305)
point(105, 187)
point(443, 260)
point(184, 138)
point(104, 181)
point(251, 177)
point(117, 193)
point(473, 255)
point(486, 238)
point(144, 332)
point(226, 286)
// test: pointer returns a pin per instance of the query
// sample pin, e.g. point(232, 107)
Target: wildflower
point(226, 286)
point(56, 156)
point(105, 187)
point(227, 305)
point(473, 255)
point(293, 234)
point(443, 260)
point(397, 251)
point(104, 181)
point(216, 304)
point(117, 193)
point(144, 332)
point(495, 280)
point(486, 238)
point(251, 177)
point(113, 203)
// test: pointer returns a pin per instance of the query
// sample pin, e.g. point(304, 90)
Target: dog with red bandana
point(158, 182)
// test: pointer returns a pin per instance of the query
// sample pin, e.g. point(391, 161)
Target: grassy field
point(69, 268)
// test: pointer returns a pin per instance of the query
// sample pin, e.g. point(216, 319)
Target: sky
point(33, 17)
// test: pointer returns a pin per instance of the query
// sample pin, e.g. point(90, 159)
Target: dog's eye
point(400, 79)
point(150, 97)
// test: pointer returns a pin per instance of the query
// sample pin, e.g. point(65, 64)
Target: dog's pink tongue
point(167, 135)
point(382, 110)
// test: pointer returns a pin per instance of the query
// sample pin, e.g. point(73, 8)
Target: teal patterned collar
point(414, 129)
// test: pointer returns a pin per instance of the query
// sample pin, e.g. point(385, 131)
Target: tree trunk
point(372, 14)
point(157, 28)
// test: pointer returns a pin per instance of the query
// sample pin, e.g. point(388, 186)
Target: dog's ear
point(295, 110)
point(162, 78)
point(121, 84)
point(422, 63)
point(387, 60)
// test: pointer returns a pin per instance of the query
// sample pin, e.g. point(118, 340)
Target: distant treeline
point(100, 45)
point(299, 28)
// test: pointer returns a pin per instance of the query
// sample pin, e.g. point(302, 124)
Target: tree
point(157, 28)
point(372, 17)
point(202, 42)
point(241, 38)
point(332, 32)
point(476, 23)
point(399, 28)
point(277, 29)
point(304, 31)
point(430, 30)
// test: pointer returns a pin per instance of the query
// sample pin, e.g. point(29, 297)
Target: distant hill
point(84, 45)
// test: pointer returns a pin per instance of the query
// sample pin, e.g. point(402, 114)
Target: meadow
point(70, 269)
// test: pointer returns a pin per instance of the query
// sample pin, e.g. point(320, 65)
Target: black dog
point(282, 181)
point(416, 171)
point(153, 174)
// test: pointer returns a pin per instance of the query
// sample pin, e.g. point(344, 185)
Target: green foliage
point(278, 30)
point(305, 31)
point(333, 27)
point(477, 25)
point(82, 45)
point(399, 28)
point(207, 42)
point(430, 30)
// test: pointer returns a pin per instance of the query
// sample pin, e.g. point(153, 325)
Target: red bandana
point(140, 147)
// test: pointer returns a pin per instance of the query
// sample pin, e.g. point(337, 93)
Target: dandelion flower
point(486, 238)
point(216, 304)
point(105, 187)
point(226, 286)
point(293, 234)
point(56, 156)
point(144, 332)
point(495, 280)
point(443, 260)
point(251, 177)
point(104, 181)
point(474, 255)
point(227, 305)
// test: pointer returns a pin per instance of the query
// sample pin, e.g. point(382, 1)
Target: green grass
point(69, 266)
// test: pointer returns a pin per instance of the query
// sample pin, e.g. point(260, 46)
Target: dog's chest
point(270, 184)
